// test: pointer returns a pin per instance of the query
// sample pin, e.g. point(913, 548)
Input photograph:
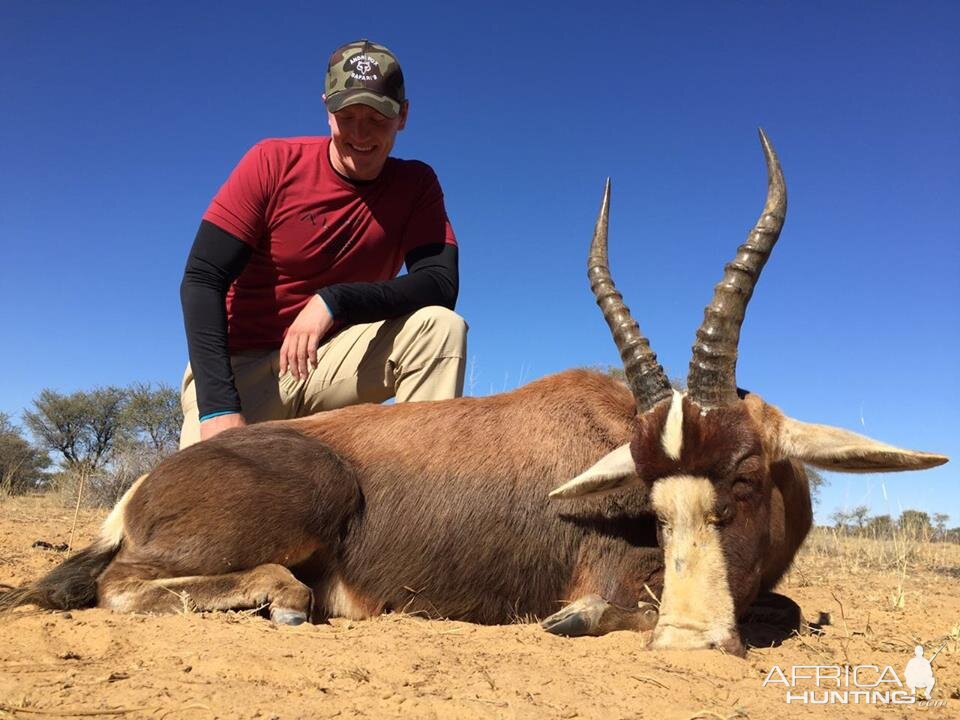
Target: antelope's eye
point(722, 514)
point(749, 467)
point(743, 488)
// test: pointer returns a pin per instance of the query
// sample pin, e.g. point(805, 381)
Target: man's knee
point(190, 430)
point(447, 329)
point(429, 356)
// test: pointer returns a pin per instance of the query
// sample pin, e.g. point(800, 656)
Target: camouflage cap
point(365, 73)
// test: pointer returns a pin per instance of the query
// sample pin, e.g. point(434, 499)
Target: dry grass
point(876, 552)
point(879, 594)
point(901, 553)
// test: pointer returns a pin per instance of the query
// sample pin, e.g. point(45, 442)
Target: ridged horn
point(712, 381)
point(646, 379)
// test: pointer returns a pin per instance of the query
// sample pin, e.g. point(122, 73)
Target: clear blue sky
point(119, 120)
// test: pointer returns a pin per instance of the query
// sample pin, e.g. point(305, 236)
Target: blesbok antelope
point(465, 508)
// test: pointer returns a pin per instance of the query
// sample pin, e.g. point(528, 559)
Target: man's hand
point(216, 425)
point(299, 349)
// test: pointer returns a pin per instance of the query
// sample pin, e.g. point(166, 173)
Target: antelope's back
point(542, 433)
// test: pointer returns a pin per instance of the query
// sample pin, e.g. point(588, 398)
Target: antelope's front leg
point(592, 615)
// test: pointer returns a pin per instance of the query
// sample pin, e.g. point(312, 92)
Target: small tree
point(151, 420)
point(840, 519)
point(915, 523)
point(22, 465)
point(154, 415)
point(940, 521)
point(880, 526)
point(82, 427)
point(859, 516)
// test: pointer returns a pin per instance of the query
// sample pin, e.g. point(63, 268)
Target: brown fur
point(438, 508)
point(479, 539)
point(791, 516)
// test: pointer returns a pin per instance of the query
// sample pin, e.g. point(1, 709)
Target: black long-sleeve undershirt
point(432, 279)
point(217, 258)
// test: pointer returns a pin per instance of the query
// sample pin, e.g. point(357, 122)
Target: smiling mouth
point(363, 149)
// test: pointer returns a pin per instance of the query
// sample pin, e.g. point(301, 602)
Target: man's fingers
point(312, 344)
point(292, 367)
point(288, 356)
point(302, 342)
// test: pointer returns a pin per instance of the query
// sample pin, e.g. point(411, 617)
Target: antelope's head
point(705, 455)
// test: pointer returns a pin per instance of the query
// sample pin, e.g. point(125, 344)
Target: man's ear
point(404, 111)
point(831, 448)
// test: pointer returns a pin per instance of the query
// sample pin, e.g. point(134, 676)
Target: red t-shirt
point(310, 228)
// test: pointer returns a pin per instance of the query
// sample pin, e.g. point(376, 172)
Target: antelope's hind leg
point(218, 525)
point(592, 615)
point(270, 585)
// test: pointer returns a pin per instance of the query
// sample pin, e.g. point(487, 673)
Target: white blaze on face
point(696, 609)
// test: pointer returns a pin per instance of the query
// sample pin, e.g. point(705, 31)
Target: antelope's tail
point(70, 585)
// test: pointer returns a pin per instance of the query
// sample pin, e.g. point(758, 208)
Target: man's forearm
point(215, 260)
point(432, 279)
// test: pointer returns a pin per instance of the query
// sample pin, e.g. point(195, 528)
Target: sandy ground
point(92, 663)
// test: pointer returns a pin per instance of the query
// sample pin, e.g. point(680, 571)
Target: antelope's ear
point(831, 448)
point(611, 471)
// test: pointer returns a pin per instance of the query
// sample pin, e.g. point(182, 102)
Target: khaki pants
point(417, 357)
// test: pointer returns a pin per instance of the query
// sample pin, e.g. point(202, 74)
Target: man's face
point(362, 140)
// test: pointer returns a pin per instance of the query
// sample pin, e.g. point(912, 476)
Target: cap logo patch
point(364, 68)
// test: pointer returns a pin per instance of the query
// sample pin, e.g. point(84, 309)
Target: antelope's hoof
point(648, 615)
point(570, 625)
point(282, 616)
point(581, 617)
